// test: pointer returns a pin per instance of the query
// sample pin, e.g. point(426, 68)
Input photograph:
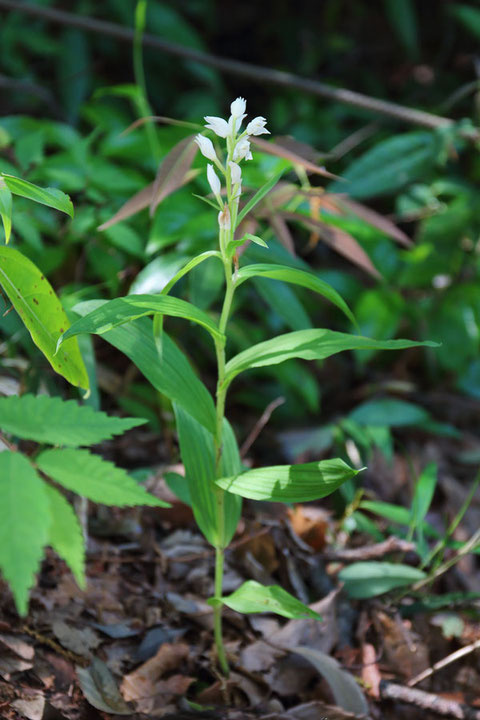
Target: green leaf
point(369, 579)
point(172, 377)
point(257, 240)
point(252, 597)
point(65, 534)
point(33, 298)
point(58, 422)
point(423, 495)
point(389, 412)
point(296, 277)
point(468, 16)
point(198, 456)
point(403, 18)
point(389, 166)
point(290, 483)
point(92, 477)
point(189, 266)
point(284, 303)
point(6, 208)
point(24, 524)
point(259, 195)
point(45, 196)
point(126, 309)
point(396, 514)
point(315, 344)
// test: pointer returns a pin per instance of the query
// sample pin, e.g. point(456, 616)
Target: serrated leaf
point(65, 534)
point(24, 524)
point(296, 277)
point(198, 456)
point(252, 597)
point(92, 477)
point(369, 579)
point(45, 196)
point(345, 690)
point(6, 208)
point(315, 344)
point(290, 483)
point(59, 422)
point(126, 309)
point(41, 311)
point(172, 377)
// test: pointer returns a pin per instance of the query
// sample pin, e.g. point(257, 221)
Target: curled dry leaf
point(373, 218)
point(143, 682)
point(173, 170)
point(293, 151)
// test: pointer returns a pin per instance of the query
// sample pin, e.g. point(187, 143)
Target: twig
point(260, 424)
point(369, 552)
point(469, 546)
point(236, 67)
point(428, 701)
point(453, 657)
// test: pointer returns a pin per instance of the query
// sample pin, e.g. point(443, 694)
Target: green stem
point(143, 105)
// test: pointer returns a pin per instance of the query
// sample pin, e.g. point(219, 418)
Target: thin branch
point(453, 657)
point(260, 424)
point(428, 701)
point(370, 552)
point(235, 67)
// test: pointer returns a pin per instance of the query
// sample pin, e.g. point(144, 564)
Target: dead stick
point(260, 424)
point(453, 657)
point(428, 701)
point(369, 552)
point(236, 67)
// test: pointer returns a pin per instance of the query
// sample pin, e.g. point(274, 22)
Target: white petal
point(224, 218)
point(257, 126)
point(206, 147)
point(242, 150)
point(235, 173)
point(238, 106)
point(218, 125)
point(213, 180)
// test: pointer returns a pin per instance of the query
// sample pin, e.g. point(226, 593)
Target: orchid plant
point(216, 479)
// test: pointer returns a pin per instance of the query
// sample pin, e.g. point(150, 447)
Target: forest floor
point(138, 642)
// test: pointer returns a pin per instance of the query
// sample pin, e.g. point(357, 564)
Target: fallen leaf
point(310, 523)
point(31, 708)
point(317, 710)
point(100, 689)
point(403, 648)
point(80, 641)
point(143, 681)
point(18, 646)
point(370, 673)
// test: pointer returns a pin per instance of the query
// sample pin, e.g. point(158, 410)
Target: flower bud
point(242, 150)
point(219, 126)
point(224, 218)
point(257, 126)
point(214, 182)
point(206, 147)
point(238, 106)
point(235, 173)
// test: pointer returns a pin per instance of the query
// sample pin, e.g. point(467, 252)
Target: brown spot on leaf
point(35, 301)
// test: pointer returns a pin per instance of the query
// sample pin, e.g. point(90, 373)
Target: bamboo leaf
point(92, 477)
point(42, 313)
point(172, 171)
point(369, 579)
point(6, 208)
point(46, 196)
point(58, 422)
point(189, 266)
point(259, 195)
point(290, 483)
point(296, 277)
point(252, 597)
point(24, 524)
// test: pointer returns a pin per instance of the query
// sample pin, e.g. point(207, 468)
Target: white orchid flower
point(214, 182)
point(235, 173)
point(219, 126)
point(257, 126)
point(206, 148)
point(224, 220)
point(238, 107)
point(242, 150)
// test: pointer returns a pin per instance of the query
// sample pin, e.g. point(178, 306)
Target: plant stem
point(143, 105)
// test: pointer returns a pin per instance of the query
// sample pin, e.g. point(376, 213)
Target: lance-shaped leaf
point(294, 151)
point(296, 277)
point(373, 218)
point(45, 196)
point(172, 377)
point(24, 524)
point(33, 298)
point(6, 208)
point(59, 422)
point(339, 240)
point(369, 579)
point(172, 171)
point(189, 266)
point(96, 479)
point(316, 344)
point(259, 195)
point(125, 309)
point(198, 455)
point(252, 597)
point(290, 483)
point(65, 534)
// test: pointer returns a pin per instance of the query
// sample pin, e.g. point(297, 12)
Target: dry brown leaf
point(310, 523)
point(373, 218)
point(370, 673)
point(173, 170)
point(143, 681)
point(79, 640)
point(339, 240)
point(139, 201)
point(281, 230)
point(282, 147)
point(17, 645)
point(32, 707)
point(404, 650)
